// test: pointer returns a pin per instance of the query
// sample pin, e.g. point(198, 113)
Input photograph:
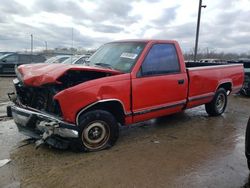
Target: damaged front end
point(39, 116)
point(36, 112)
point(43, 127)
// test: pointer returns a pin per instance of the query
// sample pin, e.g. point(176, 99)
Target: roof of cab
point(146, 40)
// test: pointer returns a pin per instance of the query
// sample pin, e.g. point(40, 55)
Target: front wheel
point(218, 105)
point(98, 130)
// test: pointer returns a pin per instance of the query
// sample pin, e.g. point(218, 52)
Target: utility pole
point(46, 46)
point(72, 39)
point(198, 29)
point(31, 44)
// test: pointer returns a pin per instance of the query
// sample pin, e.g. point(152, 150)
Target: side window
point(39, 59)
point(24, 58)
point(80, 61)
point(36, 58)
point(161, 59)
point(62, 59)
point(11, 58)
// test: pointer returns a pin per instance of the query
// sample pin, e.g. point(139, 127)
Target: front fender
point(73, 100)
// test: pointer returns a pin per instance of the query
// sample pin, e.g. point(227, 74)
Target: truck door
point(160, 87)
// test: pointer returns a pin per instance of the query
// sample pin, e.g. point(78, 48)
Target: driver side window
point(161, 59)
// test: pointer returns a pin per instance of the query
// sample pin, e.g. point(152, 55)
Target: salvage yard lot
point(188, 149)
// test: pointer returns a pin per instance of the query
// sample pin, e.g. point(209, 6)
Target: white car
point(77, 59)
point(211, 61)
point(58, 59)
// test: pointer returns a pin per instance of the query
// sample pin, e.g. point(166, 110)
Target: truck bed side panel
point(204, 81)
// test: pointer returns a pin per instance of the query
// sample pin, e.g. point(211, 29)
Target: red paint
point(41, 74)
point(145, 94)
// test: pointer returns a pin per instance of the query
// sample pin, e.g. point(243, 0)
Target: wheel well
point(227, 86)
point(114, 107)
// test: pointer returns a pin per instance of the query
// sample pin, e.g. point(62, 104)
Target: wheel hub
point(220, 102)
point(95, 135)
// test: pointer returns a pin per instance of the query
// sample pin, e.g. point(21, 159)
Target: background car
point(77, 59)
point(10, 60)
point(57, 59)
point(245, 90)
point(246, 86)
point(212, 61)
point(3, 53)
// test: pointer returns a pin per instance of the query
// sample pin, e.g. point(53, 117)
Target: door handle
point(180, 82)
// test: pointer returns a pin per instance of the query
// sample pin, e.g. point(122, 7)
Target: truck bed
point(204, 78)
point(197, 64)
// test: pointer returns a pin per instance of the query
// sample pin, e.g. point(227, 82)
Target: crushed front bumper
point(43, 127)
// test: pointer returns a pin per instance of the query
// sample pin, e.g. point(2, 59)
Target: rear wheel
point(218, 105)
point(98, 130)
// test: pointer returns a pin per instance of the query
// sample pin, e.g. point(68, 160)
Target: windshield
point(50, 60)
point(57, 59)
point(3, 56)
point(118, 55)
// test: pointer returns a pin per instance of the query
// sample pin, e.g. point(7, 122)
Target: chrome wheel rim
point(220, 102)
point(95, 135)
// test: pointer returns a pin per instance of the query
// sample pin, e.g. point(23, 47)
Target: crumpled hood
point(41, 74)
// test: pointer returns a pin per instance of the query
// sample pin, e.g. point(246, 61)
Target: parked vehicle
point(9, 61)
point(125, 82)
point(3, 53)
point(247, 144)
point(58, 59)
point(245, 90)
point(77, 59)
point(212, 61)
point(246, 86)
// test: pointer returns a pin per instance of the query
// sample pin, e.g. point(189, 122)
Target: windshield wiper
point(105, 65)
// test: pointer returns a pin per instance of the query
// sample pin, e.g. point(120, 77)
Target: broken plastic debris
point(4, 162)
point(39, 143)
point(156, 142)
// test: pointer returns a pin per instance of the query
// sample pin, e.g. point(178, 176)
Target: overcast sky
point(225, 24)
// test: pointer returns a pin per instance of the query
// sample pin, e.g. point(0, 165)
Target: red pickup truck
point(124, 82)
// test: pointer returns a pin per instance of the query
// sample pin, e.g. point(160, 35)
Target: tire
point(219, 103)
point(8, 111)
point(98, 130)
point(248, 163)
point(247, 144)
